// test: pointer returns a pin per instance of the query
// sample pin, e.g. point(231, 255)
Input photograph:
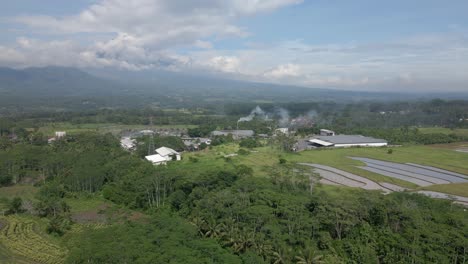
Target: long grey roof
point(233, 132)
point(350, 139)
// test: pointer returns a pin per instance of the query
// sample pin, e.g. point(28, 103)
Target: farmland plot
point(417, 174)
point(339, 177)
point(19, 237)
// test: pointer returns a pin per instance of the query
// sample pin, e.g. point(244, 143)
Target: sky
point(399, 45)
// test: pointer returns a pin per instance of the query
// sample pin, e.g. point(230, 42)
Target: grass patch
point(84, 202)
point(444, 130)
point(26, 192)
point(460, 189)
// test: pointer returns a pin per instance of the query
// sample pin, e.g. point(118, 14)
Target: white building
point(168, 153)
point(283, 130)
point(343, 141)
point(127, 143)
point(326, 132)
point(163, 155)
point(156, 159)
point(60, 134)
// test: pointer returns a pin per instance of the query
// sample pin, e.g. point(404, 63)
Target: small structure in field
point(343, 141)
point(58, 135)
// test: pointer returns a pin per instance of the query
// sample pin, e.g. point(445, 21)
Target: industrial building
point(343, 141)
point(236, 134)
point(326, 132)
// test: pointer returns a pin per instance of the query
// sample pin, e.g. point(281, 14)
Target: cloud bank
point(181, 35)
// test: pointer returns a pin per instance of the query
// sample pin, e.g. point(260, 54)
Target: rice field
point(19, 237)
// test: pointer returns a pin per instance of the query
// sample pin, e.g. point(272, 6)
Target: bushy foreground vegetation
point(218, 210)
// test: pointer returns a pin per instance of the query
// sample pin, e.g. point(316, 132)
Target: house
point(127, 143)
point(163, 155)
point(60, 134)
point(156, 159)
point(282, 130)
point(194, 143)
point(343, 141)
point(236, 134)
point(168, 153)
point(326, 132)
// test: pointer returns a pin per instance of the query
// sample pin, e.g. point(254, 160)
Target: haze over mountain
point(145, 87)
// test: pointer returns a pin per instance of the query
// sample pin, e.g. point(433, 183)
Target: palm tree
point(309, 258)
point(279, 257)
point(212, 229)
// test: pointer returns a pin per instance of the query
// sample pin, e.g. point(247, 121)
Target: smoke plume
point(257, 111)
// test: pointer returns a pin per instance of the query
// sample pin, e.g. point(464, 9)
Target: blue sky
point(358, 45)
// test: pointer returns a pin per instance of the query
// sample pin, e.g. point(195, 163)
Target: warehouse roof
point(164, 151)
point(349, 139)
point(242, 133)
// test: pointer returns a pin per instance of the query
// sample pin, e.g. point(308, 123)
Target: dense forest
point(225, 214)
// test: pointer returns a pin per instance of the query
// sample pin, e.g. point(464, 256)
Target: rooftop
point(234, 132)
point(164, 151)
point(349, 139)
point(156, 158)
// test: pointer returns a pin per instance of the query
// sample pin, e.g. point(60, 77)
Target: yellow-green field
point(22, 241)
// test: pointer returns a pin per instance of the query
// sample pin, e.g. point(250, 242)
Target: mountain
point(70, 87)
point(53, 82)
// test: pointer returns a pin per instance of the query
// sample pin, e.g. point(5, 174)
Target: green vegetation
point(83, 199)
point(442, 130)
point(460, 189)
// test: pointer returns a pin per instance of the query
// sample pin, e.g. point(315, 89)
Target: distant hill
point(70, 88)
point(53, 82)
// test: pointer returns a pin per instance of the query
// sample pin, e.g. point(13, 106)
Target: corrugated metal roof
point(321, 142)
point(349, 139)
point(243, 133)
point(164, 151)
point(156, 158)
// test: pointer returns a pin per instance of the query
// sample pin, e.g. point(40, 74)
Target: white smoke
point(284, 117)
point(312, 114)
point(257, 111)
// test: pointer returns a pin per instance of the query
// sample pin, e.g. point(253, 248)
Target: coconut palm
point(309, 258)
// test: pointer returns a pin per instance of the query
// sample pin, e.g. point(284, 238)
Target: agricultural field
point(23, 242)
point(263, 159)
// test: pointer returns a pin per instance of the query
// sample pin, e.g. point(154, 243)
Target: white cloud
point(203, 44)
point(225, 63)
point(281, 71)
point(148, 34)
